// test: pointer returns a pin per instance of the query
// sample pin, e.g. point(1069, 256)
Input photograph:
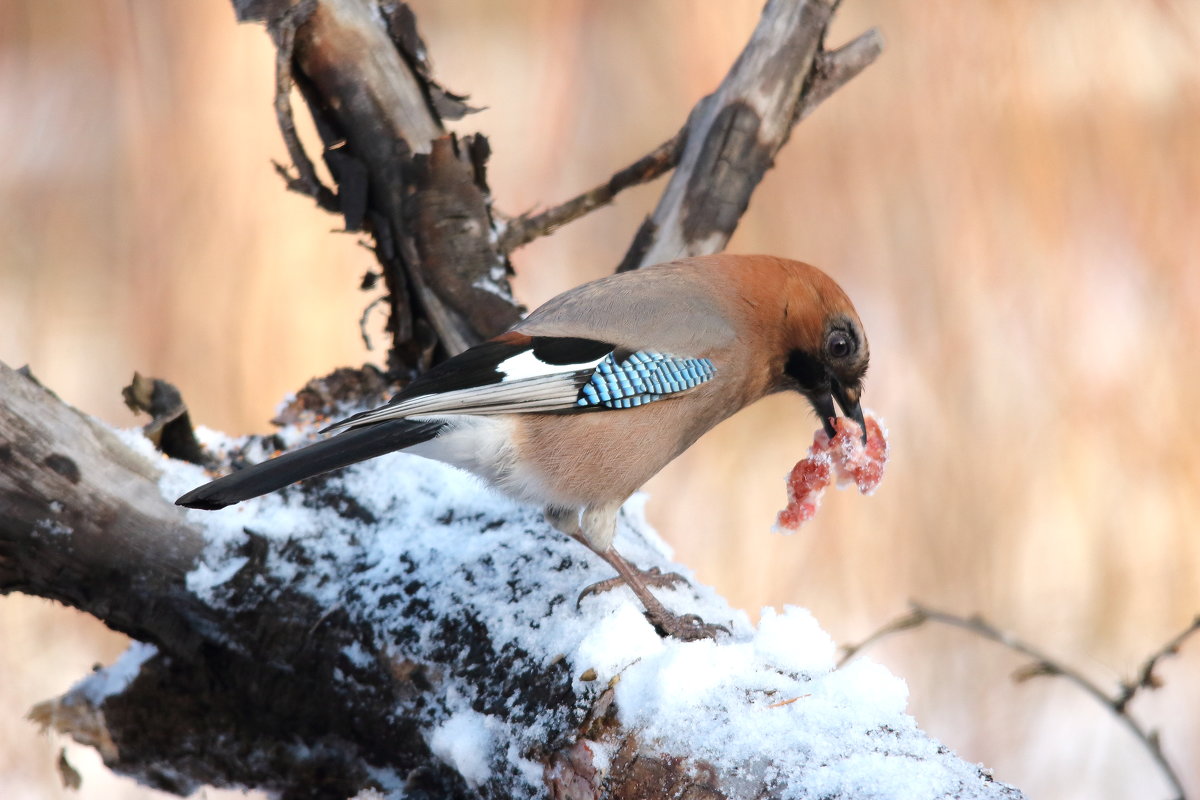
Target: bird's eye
point(839, 345)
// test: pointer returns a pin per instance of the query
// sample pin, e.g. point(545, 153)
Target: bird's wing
point(679, 308)
point(518, 373)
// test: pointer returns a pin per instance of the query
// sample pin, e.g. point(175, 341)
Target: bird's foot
point(650, 577)
point(685, 627)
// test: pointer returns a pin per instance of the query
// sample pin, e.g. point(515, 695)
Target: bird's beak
point(848, 399)
point(823, 404)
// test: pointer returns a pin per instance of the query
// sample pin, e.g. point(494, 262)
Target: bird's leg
point(601, 524)
point(567, 521)
point(685, 627)
point(564, 519)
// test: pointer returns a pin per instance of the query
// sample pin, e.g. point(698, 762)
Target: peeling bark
point(365, 75)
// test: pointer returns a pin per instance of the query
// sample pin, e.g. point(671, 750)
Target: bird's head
point(826, 351)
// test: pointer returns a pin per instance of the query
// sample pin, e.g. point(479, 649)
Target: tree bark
point(83, 524)
point(421, 193)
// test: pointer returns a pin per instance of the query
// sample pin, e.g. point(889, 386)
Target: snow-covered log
point(399, 626)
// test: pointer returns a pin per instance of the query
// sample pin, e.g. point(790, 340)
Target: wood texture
point(420, 192)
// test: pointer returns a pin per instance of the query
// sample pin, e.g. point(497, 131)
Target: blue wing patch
point(641, 378)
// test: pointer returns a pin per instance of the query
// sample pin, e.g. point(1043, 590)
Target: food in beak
point(852, 454)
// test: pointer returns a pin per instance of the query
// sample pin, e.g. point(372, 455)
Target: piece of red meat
point(844, 456)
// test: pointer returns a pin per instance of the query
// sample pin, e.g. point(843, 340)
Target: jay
point(591, 394)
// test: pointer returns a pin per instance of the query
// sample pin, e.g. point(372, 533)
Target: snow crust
point(430, 543)
point(114, 678)
point(465, 741)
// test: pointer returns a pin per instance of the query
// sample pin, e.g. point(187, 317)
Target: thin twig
point(306, 180)
point(911, 620)
point(1045, 665)
point(1146, 678)
point(524, 229)
point(362, 321)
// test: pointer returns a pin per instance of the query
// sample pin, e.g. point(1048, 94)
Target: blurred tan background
point(1011, 195)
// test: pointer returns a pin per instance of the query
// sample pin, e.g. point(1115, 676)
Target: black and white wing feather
point(517, 373)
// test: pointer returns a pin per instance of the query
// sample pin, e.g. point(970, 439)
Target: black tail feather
point(332, 453)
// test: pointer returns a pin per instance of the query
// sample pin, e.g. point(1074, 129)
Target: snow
point(775, 693)
point(417, 551)
point(53, 527)
point(465, 741)
point(114, 679)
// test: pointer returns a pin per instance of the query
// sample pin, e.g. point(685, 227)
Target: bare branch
point(734, 134)
point(305, 181)
point(1043, 664)
point(913, 619)
point(1146, 678)
point(830, 71)
point(422, 194)
point(525, 228)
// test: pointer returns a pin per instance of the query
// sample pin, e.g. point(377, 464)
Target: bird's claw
point(688, 628)
point(598, 587)
point(651, 577)
point(684, 627)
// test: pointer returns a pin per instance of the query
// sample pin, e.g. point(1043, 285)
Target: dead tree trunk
point(420, 640)
point(423, 195)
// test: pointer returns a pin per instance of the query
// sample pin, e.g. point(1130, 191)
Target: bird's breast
point(604, 456)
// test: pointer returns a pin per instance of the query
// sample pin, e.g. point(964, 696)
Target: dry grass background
point(1011, 195)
